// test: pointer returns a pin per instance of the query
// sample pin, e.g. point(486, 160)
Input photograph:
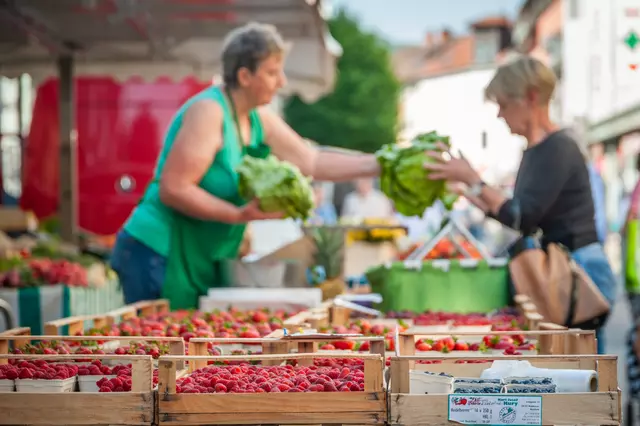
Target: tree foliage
point(362, 112)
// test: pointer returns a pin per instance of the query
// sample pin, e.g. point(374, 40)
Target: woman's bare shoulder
point(204, 111)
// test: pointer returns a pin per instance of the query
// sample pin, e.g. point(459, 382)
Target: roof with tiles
point(441, 53)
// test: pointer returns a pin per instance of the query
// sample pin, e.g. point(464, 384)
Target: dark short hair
point(246, 47)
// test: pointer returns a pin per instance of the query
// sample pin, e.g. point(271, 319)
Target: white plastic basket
point(7, 385)
point(45, 386)
point(88, 383)
point(423, 382)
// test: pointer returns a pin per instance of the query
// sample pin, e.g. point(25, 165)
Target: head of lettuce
point(404, 179)
point(279, 186)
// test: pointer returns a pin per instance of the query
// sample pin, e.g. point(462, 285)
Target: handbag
point(561, 290)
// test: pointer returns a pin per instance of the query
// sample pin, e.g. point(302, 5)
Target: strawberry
point(25, 373)
point(328, 347)
point(347, 345)
point(423, 346)
point(461, 346)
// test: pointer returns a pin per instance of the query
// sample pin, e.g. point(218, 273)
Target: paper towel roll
point(568, 380)
point(565, 380)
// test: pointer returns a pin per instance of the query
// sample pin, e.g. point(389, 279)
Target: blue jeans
point(594, 262)
point(141, 270)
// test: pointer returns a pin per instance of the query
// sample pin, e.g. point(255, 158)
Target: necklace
point(236, 121)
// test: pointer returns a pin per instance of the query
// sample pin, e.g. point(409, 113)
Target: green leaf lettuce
point(405, 180)
point(279, 186)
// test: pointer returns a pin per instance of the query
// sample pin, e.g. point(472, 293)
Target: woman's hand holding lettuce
point(405, 180)
point(277, 185)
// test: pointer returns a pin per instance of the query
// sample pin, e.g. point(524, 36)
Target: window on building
point(486, 46)
point(574, 9)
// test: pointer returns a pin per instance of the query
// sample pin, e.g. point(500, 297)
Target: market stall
point(216, 367)
point(148, 39)
point(43, 280)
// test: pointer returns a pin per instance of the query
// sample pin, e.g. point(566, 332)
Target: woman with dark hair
point(191, 219)
point(552, 192)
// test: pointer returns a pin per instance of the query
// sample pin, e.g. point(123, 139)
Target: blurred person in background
point(599, 200)
point(425, 226)
point(633, 293)
point(366, 202)
point(325, 212)
point(552, 191)
point(179, 239)
point(632, 214)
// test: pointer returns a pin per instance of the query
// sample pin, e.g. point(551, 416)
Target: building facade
point(594, 46)
point(444, 81)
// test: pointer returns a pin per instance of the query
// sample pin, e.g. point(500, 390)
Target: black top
point(553, 193)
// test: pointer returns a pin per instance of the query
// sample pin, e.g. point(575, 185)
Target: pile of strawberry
point(365, 328)
point(138, 348)
point(44, 271)
point(501, 317)
point(510, 345)
point(96, 368)
point(333, 362)
point(121, 383)
point(188, 324)
point(155, 349)
point(246, 378)
point(8, 372)
point(43, 348)
point(38, 369)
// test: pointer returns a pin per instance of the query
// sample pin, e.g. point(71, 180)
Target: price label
point(495, 410)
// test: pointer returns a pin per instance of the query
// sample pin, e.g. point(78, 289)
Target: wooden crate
point(598, 408)
point(281, 345)
point(551, 340)
point(529, 311)
point(361, 408)
point(76, 324)
point(143, 308)
point(8, 342)
point(18, 331)
point(310, 318)
point(78, 408)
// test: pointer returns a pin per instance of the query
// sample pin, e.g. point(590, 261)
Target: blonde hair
point(246, 47)
point(515, 78)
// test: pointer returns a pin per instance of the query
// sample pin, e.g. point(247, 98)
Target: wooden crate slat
point(311, 402)
point(77, 408)
point(585, 408)
point(291, 418)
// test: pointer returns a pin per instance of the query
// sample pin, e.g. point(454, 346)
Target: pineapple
point(329, 254)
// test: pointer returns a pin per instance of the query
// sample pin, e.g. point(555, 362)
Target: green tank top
point(151, 221)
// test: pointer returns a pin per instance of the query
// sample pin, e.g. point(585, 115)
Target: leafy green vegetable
point(405, 180)
point(278, 185)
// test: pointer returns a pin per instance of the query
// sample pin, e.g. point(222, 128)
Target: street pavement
point(619, 323)
point(616, 332)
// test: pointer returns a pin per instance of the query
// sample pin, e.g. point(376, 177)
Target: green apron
point(200, 252)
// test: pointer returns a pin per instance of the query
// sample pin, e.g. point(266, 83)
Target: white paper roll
point(568, 380)
point(565, 380)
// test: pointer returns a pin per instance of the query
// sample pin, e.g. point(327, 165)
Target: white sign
point(495, 410)
point(627, 53)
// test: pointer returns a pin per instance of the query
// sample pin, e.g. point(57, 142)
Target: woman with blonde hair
point(191, 219)
point(552, 191)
